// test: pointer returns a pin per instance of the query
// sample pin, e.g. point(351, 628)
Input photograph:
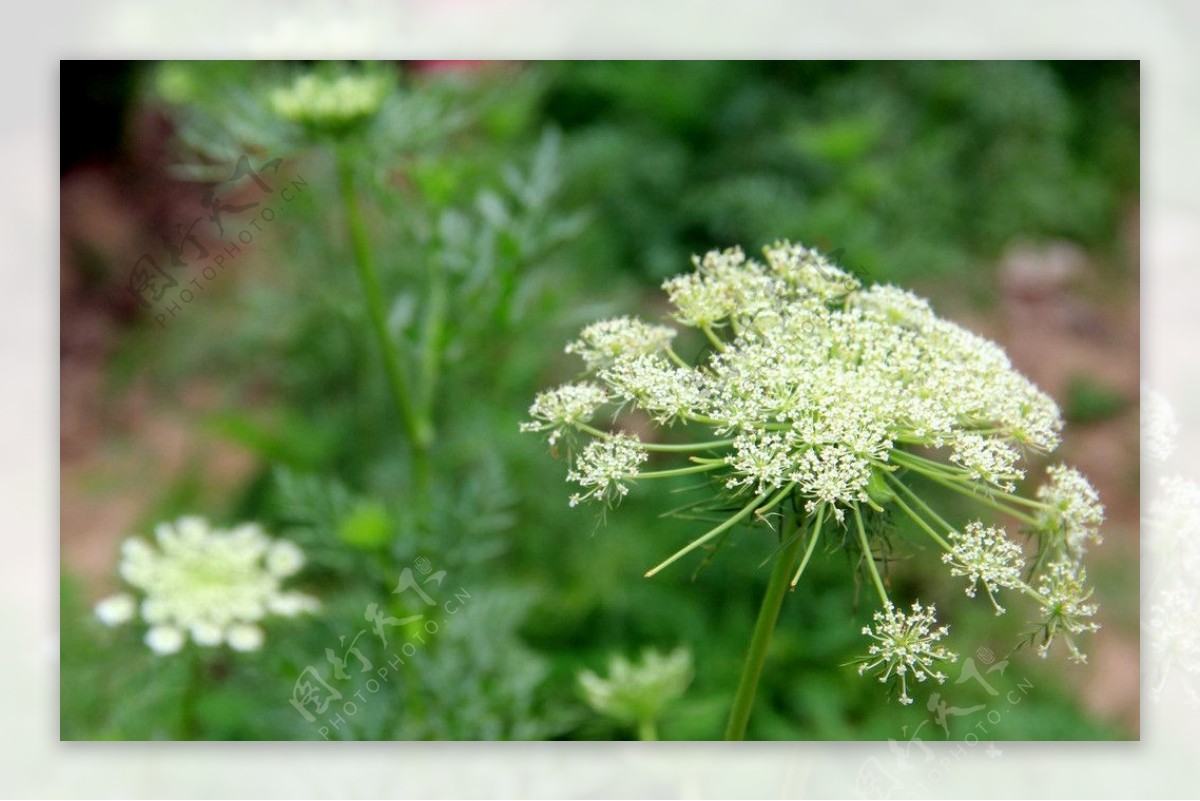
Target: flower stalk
point(764, 628)
point(413, 416)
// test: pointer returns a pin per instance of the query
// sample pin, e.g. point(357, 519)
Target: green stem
point(191, 693)
point(985, 498)
point(713, 338)
point(696, 543)
point(921, 521)
point(812, 544)
point(764, 627)
point(420, 432)
point(679, 471)
point(683, 447)
point(866, 548)
point(647, 731)
point(432, 339)
point(673, 356)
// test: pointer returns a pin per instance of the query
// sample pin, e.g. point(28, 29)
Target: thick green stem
point(416, 425)
point(768, 613)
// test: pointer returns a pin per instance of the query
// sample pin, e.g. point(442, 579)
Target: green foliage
point(504, 208)
point(911, 168)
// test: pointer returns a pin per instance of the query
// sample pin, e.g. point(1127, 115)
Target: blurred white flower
point(208, 584)
point(637, 693)
point(332, 101)
point(164, 640)
point(1174, 628)
point(116, 609)
point(1160, 429)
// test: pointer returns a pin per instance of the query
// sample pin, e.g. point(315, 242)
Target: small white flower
point(1174, 519)
point(905, 646)
point(164, 640)
point(835, 475)
point(116, 609)
point(985, 555)
point(245, 637)
point(207, 634)
point(290, 604)
point(284, 559)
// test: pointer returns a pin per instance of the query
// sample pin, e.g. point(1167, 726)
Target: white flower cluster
point(604, 466)
point(610, 341)
point(1174, 639)
point(1066, 610)
point(564, 407)
point(1074, 513)
point(906, 646)
point(817, 378)
point(331, 101)
point(823, 392)
point(1160, 428)
point(1173, 618)
point(985, 555)
point(211, 585)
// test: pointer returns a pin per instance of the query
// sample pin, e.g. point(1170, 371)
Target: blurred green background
point(523, 201)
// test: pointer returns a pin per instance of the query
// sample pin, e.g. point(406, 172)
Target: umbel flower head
point(905, 646)
point(209, 585)
point(637, 693)
point(830, 402)
point(332, 101)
